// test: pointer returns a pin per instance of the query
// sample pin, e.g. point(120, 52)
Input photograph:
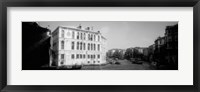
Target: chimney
point(87, 28)
point(79, 27)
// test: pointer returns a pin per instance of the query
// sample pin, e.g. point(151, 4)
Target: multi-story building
point(77, 46)
point(171, 34)
point(166, 48)
point(159, 44)
point(160, 50)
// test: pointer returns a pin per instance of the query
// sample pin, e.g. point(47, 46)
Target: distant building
point(145, 53)
point(113, 52)
point(77, 46)
point(151, 50)
point(159, 44)
point(140, 49)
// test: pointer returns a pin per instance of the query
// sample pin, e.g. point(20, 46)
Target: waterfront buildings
point(77, 46)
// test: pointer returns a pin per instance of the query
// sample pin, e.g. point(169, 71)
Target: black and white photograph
point(100, 45)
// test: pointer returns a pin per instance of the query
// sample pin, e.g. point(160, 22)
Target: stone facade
point(77, 46)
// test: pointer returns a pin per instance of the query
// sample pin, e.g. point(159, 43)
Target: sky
point(119, 34)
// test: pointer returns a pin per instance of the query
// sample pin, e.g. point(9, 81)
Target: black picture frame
point(98, 3)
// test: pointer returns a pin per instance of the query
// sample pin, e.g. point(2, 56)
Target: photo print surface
point(99, 45)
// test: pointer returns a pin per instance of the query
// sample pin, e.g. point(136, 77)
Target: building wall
point(79, 54)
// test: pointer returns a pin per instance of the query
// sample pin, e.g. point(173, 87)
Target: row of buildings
point(116, 53)
point(77, 46)
point(165, 49)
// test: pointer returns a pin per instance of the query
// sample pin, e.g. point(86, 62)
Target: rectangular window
point(98, 56)
point(80, 56)
point(72, 56)
point(84, 56)
point(88, 56)
point(77, 56)
point(98, 47)
point(62, 56)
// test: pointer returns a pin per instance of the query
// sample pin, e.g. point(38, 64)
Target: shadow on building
point(35, 46)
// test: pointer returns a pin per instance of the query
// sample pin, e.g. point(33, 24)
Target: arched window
point(91, 37)
point(63, 33)
point(98, 47)
point(94, 46)
point(80, 45)
point(88, 36)
point(81, 36)
point(62, 44)
point(91, 46)
point(98, 38)
point(88, 46)
point(72, 45)
point(84, 36)
point(73, 34)
point(83, 46)
point(78, 35)
point(77, 46)
point(94, 37)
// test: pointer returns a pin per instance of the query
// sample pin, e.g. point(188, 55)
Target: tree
point(117, 54)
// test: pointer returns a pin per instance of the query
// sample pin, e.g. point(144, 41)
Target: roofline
point(79, 29)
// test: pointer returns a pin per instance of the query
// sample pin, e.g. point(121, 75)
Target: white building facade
point(77, 46)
